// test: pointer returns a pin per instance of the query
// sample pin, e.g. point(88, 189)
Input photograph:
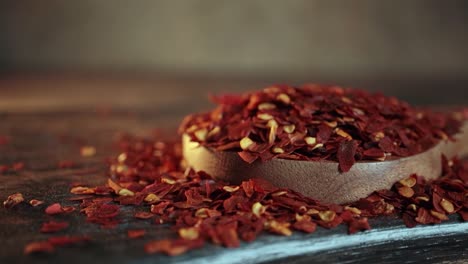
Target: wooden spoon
point(322, 179)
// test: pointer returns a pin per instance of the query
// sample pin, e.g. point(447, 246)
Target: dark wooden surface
point(36, 111)
point(37, 140)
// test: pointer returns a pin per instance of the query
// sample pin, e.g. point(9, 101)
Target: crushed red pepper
point(52, 226)
point(57, 208)
point(314, 122)
point(13, 200)
point(151, 175)
point(136, 233)
point(204, 210)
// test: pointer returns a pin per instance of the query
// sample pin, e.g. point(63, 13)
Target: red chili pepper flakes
point(430, 202)
point(53, 226)
point(66, 164)
point(204, 210)
point(4, 168)
point(173, 247)
point(346, 153)
point(35, 202)
point(100, 212)
point(39, 247)
point(315, 122)
point(13, 200)
point(136, 233)
point(61, 241)
point(57, 208)
point(4, 140)
point(18, 166)
point(196, 204)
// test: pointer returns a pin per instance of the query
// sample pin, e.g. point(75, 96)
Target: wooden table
point(43, 136)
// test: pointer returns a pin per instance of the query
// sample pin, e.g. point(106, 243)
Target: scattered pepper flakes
point(172, 247)
point(136, 233)
point(61, 241)
point(52, 226)
point(39, 247)
point(4, 140)
point(82, 190)
point(88, 151)
point(18, 166)
point(57, 208)
point(13, 200)
point(66, 164)
point(202, 209)
point(35, 202)
point(4, 168)
point(357, 225)
point(306, 226)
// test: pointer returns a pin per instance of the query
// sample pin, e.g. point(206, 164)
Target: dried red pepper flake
point(57, 208)
point(38, 247)
point(13, 200)
point(4, 140)
point(306, 226)
point(463, 214)
point(136, 233)
point(17, 166)
point(143, 215)
point(61, 241)
point(68, 209)
point(82, 190)
point(346, 153)
point(53, 226)
point(201, 209)
point(4, 168)
point(159, 208)
point(357, 225)
point(35, 202)
point(228, 236)
point(66, 164)
point(172, 247)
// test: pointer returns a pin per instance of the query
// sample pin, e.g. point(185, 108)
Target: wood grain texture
point(35, 140)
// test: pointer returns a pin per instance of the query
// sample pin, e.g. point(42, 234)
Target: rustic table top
point(42, 138)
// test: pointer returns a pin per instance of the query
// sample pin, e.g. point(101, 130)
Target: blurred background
point(146, 54)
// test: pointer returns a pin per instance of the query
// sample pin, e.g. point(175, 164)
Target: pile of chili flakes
point(314, 122)
point(151, 175)
point(311, 123)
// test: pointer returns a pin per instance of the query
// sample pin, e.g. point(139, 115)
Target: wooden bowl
point(322, 180)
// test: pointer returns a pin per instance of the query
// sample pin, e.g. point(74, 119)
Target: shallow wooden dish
point(322, 180)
